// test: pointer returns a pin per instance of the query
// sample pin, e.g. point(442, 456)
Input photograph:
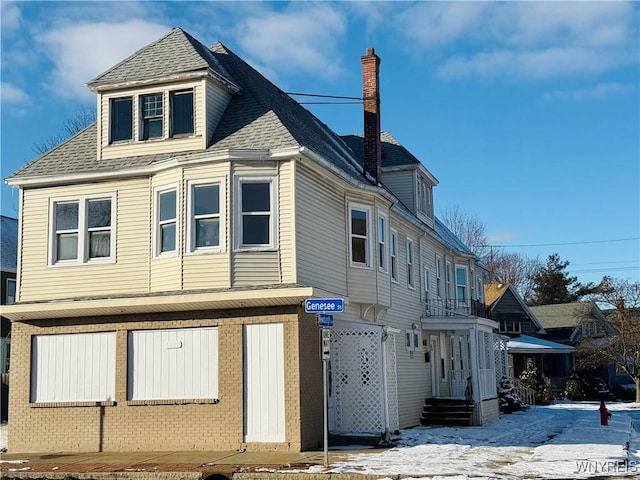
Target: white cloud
point(79, 52)
point(10, 16)
point(303, 37)
point(523, 39)
point(597, 92)
point(9, 93)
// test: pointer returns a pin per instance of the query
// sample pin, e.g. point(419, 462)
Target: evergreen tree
point(552, 284)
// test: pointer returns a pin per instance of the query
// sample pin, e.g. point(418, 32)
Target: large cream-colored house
point(167, 250)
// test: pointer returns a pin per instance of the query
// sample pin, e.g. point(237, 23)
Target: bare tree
point(85, 116)
point(616, 335)
point(468, 228)
point(513, 268)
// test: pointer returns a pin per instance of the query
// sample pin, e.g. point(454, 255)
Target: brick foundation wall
point(206, 426)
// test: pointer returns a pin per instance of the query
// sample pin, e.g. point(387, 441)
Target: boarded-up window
point(173, 364)
point(73, 367)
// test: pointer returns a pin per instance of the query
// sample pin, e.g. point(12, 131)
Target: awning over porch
point(527, 344)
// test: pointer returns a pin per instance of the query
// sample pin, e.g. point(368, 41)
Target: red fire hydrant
point(605, 414)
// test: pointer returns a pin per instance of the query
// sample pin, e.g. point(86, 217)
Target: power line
point(564, 243)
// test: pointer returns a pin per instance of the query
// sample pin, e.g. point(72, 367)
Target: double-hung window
point(206, 223)
point(438, 276)
point(382, 243)
point(10, 296)
point(121, 119)
point(181, 112)
point(425, 283)
point(166, 221)
point(82, 230)
point(461, 285)
point(152, 115)
point(410, 274)
point(393, 254)
point(413, 339)
point(360, 236)
point(256, 204)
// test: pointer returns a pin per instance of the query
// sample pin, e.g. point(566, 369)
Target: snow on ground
point(564, 440)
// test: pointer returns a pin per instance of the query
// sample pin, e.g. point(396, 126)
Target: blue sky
point(526, 112)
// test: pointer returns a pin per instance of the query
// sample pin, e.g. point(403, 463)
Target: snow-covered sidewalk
point(564, 440)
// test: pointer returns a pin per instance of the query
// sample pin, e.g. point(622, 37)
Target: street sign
point(326, 344)
point(324, 305)
point(325, 320)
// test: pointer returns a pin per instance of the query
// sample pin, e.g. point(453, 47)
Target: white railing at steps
point(525, 393)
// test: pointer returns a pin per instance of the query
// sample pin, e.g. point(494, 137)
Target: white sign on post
point(326, 344)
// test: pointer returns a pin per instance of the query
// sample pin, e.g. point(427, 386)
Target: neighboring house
point(529, 344)
point(186, 228)
point(568, 323)
point(8, 264)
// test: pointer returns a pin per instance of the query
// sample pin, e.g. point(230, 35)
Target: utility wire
point(565, 243)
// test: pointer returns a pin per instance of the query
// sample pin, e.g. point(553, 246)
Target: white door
point(264, 383)
point(434, 357)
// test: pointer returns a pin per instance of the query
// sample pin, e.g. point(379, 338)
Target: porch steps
point(446, 411)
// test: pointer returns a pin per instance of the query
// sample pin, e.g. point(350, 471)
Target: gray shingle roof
point(8, 243)
point(175, 53)
point(449, 237)
point(559, 315)
point(393, 153)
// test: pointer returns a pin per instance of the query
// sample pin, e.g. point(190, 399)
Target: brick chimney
point(371, 97)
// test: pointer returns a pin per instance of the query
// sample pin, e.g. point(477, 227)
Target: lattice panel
point(357, 369)
point(500, 355)
point(392, 382)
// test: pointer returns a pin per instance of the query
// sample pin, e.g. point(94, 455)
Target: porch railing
point(526, 394)
point(487, 383)
point(455, 308)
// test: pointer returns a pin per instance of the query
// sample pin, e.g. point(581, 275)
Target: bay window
point(360, 247)
point(206, 222)
point(166, 221)
point(256, 207)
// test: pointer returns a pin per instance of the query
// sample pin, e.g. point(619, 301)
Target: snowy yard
point(564, 440)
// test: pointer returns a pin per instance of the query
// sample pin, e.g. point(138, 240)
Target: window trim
point(157, 231)
point(6, 291)
point(413, 339)
point(143, 134)
point(383, 249)
point(190, 244)
point(448, 275)
point(111, 130)
point(273, 213)
point(410, 263)
point(368, 238)
point(438, 276)
point(467, 299)
point(393, 253)
point(82, 257)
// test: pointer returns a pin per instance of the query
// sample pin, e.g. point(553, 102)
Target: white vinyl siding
point(173, 364)
point(264, 383)
point(78, 367)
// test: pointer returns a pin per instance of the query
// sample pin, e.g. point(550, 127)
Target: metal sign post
point(326, 355)
point(325, 307)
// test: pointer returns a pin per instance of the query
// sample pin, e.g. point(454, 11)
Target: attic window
point(121, 119)
point(151, 116)
point(182, 113)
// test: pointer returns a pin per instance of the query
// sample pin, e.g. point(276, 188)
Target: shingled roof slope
point(175, 53)
point(558, 315)
point(393, 152)
point(261, 117)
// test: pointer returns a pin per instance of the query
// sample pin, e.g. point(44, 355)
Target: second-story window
point(360, 237)
point(410, 279)
point(82, 230)
point(121, 119)
point(206, 225)
point(448, 281)
point(152, 114)
point(10, 296)
point(182, 112)
point(382, 243)
point(166, 221)
point(393, 254)
point(438, 276)
point(461, 284)
point(256, 213)
point(426, 283)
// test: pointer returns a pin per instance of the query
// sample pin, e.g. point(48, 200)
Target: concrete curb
point(102, 475)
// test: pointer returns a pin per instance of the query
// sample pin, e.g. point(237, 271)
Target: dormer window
point(154, 112)
point(121, 119)
point(152, 116)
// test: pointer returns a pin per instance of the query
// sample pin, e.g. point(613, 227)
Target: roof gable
point(501, 294)
point(174, 54)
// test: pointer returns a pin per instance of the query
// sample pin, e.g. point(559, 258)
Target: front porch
point(466, 361)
